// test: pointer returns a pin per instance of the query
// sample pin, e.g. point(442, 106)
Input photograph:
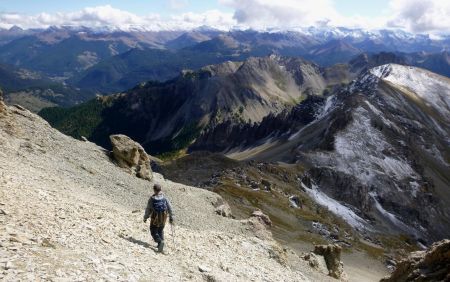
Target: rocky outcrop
point(259, 224)
point(224, 210)
point(312, 259)
point(263, 218)
point(131, 156)
point(332, 256)
point(431, 265)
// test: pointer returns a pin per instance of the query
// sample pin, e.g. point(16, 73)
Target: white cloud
point(107, 16)
point(212, 18)
point(90, 16)
point(421, 16)
point(281, 13)
point(262, 14)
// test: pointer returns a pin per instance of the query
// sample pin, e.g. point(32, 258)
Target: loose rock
point(262, 217)
point(224, 210)
point(203, 268)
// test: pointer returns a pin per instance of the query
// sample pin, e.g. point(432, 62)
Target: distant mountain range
point(108, 61)
point(36, 91)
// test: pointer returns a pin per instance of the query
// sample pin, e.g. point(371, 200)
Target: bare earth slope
point(67, 212)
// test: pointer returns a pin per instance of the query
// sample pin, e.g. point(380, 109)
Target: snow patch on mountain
point(382, 117)
point(359, 150)
point(391, 217)
point(433, 89)
point(328, 107)
point(335, 207)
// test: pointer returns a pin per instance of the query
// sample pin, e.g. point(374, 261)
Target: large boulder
point(430, 265)
point(332, 256)
point(131, 156)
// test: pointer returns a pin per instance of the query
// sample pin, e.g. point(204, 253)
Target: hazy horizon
point(422, 17)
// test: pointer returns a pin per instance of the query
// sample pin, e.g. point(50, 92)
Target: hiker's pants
point(157, 233)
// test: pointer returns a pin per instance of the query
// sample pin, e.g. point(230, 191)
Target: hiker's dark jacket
point(158, 219)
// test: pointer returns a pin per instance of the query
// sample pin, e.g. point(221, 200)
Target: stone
point(430, 265)
point(295, 201)
point(131, 156)
point(262, 217)
point(312, 260)
point(224, 210)
point(19, 239)
point(19, 107)
point(9, 265)
point(279, 254)
point(258, 227)
point(332, 256)
point(203, 268)
point(266, 184)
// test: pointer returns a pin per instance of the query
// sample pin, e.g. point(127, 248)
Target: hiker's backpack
point(159, 205)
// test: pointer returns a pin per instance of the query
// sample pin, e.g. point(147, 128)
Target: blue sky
point(418, 16)
point(164, 7)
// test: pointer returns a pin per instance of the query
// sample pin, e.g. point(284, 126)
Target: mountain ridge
point(244, 92)
point(329, 135)
point(80, 56)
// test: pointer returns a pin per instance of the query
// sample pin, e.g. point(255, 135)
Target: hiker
point(158, 207)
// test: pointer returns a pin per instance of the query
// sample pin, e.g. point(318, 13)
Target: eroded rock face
point(332, 256)
point(431, 265)
point(131, 156)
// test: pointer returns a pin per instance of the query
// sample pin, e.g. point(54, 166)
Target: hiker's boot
point(160, 247)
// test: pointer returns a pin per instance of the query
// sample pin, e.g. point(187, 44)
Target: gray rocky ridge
point(67, 212)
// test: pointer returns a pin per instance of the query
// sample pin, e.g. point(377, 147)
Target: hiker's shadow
point(136, 241)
